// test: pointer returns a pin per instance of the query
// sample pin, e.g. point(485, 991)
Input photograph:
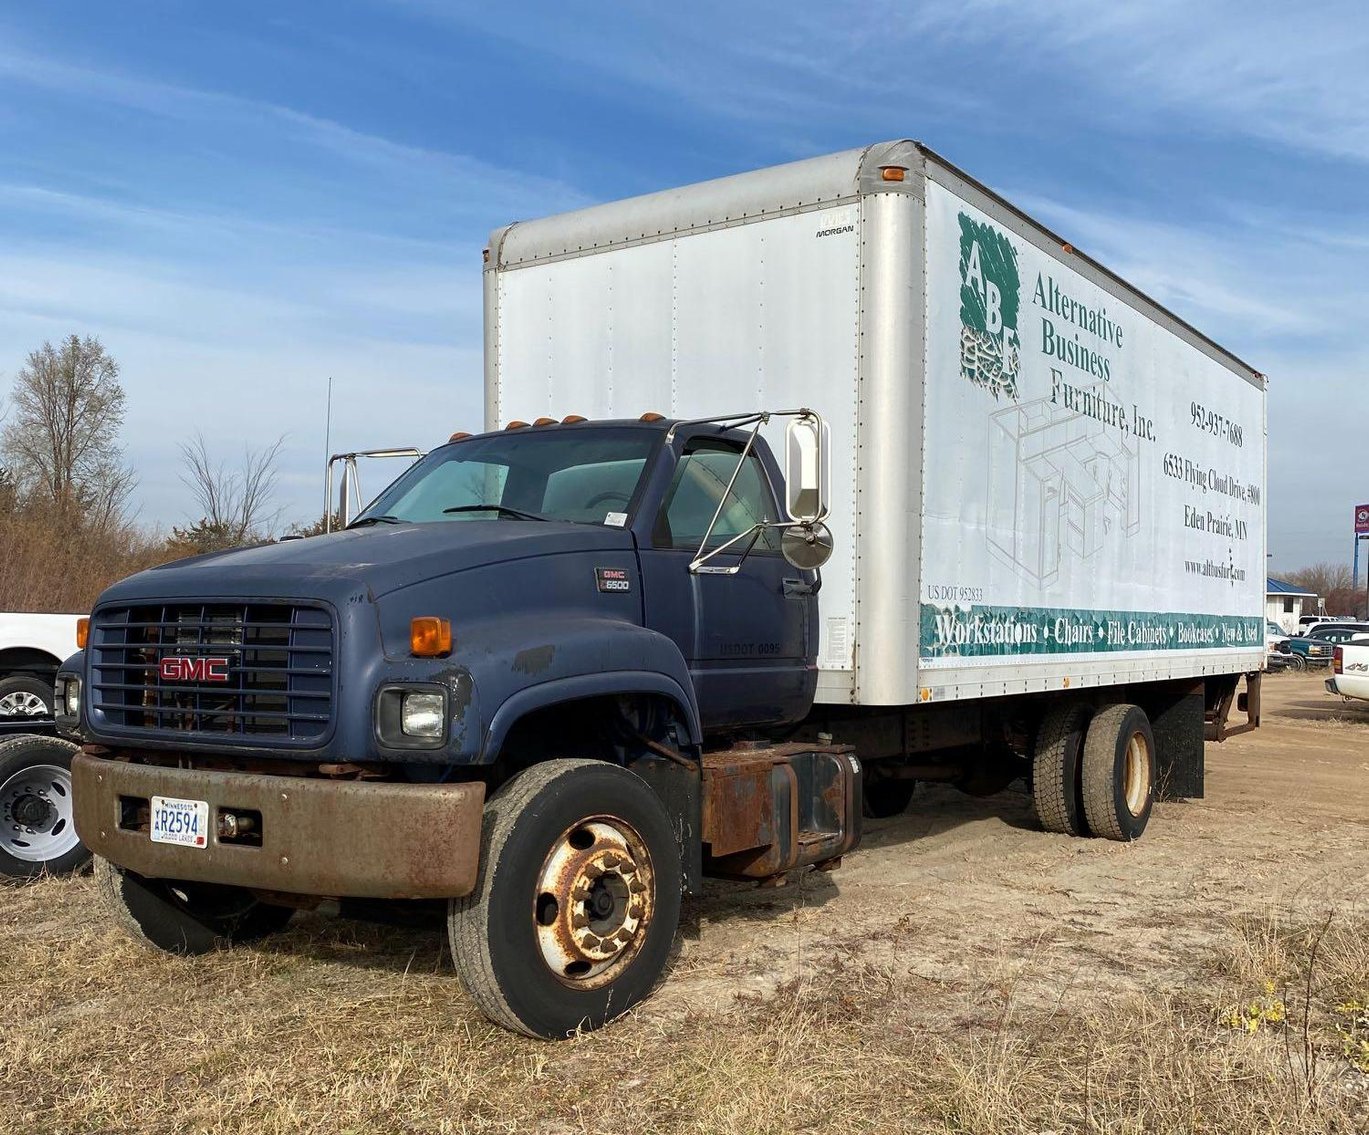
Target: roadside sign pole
point(1361, 533)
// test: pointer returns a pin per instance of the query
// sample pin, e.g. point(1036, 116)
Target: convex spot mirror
point(807, 469)
point(806, 546)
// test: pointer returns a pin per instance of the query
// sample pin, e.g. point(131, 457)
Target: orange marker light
point(460, 435)
point(430, 637)
point(571, 419)
point(892, 173)
point(516, 424)
point(545, 422)
point(652, 416)
point(82, 633)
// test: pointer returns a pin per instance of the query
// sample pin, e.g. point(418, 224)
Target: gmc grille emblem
point(179, 668)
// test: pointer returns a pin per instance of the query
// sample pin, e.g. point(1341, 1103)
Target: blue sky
point(241, 200)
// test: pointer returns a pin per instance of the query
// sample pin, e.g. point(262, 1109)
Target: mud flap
point(1176, 711)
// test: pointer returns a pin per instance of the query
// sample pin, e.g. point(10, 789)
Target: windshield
point(584, 475)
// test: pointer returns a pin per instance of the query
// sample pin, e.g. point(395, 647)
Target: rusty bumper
point(341, 839)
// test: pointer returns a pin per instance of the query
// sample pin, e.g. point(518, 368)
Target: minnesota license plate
point(180, 821)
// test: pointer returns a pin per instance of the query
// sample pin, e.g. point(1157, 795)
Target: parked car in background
point(1273, 634)
point(1325, 624)
point(1316, 646)
point(31, 649)
point(37, 831)
point(1350, 668)
point(1338, 632)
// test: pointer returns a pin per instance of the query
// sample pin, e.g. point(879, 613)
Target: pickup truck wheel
point(22, 695)
point(578, 897)
point(1055, 769)
point(1119, 772)
point(183, 917)
point(37, 832)
point(1297, 662)
point(884, 798)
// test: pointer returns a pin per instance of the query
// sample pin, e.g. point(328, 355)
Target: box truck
point(795, 488)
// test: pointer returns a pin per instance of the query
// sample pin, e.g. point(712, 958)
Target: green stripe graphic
point(984, 631)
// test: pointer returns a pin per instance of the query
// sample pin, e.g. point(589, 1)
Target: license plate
point(180, 821)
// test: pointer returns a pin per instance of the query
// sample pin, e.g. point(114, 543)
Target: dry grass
point(345, 1027)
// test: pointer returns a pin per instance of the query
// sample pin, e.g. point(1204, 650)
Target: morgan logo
point(990, 293)
point(179, 668)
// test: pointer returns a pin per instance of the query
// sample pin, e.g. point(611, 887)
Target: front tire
point(183, 917)
point(24, 696)
point(37, 831)
point(577, 900)
point(1119, 772)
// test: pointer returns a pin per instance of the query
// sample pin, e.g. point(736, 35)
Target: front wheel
point(184, 917)
point(577, 900)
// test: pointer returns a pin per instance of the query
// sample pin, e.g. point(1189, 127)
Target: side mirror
point(807, 469)
point(806, 546)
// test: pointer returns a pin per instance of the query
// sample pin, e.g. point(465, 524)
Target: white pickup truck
point(37, 832)
point(31, 649)
point(1350, 669)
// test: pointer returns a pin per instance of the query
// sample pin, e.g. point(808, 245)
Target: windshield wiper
point(501, 509)
point(376, 520)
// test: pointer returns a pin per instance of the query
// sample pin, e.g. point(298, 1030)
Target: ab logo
point(989, 298)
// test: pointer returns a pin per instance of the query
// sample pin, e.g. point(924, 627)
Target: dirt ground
point(962, 972)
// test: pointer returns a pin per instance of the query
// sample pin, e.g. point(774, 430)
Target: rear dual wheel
point(1094, 776)
point(37, 831)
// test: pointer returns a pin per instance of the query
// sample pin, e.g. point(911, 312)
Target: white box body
point(1041, 478)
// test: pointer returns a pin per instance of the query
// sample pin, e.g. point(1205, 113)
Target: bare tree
point(62, 444)
point(1323, 578)
point(236, 503)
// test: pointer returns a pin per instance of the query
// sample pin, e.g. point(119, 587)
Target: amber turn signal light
point(82, 633)
point(430, 637)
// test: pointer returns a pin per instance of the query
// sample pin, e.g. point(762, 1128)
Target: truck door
point(745, 637)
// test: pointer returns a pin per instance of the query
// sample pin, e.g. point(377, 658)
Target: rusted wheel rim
point(594, 901)
point(1136, 773)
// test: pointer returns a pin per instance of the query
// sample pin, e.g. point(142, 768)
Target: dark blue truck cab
point(543, 676)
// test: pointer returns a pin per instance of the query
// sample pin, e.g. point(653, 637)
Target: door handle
point(794, 587)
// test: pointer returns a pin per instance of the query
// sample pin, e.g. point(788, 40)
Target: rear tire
point(576, 903)
point(1119, 772)
point(1055, 769)
point(37, 829)
point(884, 798)
point(183, 917)
point(1297, 662)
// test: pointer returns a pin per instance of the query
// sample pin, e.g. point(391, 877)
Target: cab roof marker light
point(572, 419)
point(545, 422)
point(460, 435)
point(517, 424)
point(652, 416)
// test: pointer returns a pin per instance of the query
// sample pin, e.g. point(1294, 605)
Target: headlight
point(71, 697)
point(421, 715)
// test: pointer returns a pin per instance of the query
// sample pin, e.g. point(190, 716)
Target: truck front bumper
point(334, 838)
